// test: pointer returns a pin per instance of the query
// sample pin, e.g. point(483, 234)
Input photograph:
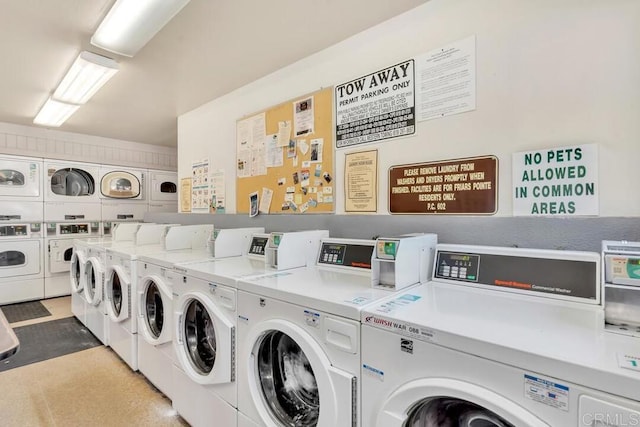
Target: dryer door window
point(168, 187)
point(289, 386)
point(120, 185)
point(154, 310)
point(12, 258)
point(68, 254)
point(200, 336)
point(72, 182)
point(9, 177)
point(455, 412)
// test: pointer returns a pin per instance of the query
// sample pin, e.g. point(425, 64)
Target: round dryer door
point(292, 381)
point(120, 185)
point(118, 294)
point(94, 281)
point(204, 346)
point(77, 272)
point(156, 305)
point(72, 182)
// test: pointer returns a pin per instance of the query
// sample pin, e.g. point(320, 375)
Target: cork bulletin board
point(285, 159)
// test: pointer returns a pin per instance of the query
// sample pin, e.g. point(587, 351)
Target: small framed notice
point(361, 181)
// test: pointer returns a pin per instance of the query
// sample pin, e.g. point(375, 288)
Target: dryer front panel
point(20, 179)
point(164, 186)
point(121, 185)
point(71, 182)
point(19, 258)
point(60, 255)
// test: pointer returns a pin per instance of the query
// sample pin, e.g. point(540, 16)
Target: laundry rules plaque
point(361, 181)
point(461, 186)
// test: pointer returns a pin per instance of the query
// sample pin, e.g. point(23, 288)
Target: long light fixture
point(88, 73)
point(54, 113)
point(130, 24)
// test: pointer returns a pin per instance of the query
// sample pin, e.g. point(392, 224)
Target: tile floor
point(88, 388)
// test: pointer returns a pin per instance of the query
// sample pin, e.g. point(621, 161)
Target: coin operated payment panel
point(293, 249)
point(402, 261)
point(621, 286)
point(229, 242)
point(352, 255)
point(258, 246)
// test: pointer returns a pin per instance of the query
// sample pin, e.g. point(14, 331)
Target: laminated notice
point(546, 392)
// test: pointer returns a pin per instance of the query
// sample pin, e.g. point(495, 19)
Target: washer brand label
point(546, 392)
point(406, 345)
point(407, 329)
point(373, 372)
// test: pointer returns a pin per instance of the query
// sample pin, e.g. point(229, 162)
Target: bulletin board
point(303, 182)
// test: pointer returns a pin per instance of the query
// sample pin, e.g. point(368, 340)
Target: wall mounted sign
point(462, 186)
point(559, 181)
point(361, 181)
point(377, 106)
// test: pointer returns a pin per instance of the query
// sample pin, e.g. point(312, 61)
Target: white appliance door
point(20, 179)
point(455, 403)
point(70, 182)
point(121, 185)
point(205, 340)
point(60, 255)
point(78, 278)
point(117, 293)
point(164, 187)
point(156, 304)
point(94, 281)
point(292, 382)
point(19, 258)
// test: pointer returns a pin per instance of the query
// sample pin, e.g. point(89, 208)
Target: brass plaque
point(451, 187)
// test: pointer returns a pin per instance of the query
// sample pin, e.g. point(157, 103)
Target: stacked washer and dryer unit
point(21, 232)
point(501, 337)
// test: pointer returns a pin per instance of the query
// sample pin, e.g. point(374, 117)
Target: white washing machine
point(163, 191)
point(155, 295)
point(299, 335)
point(121, 280)
point(59, 241)
point(205, 387)
point(72, 182)
point(500, 337)
point(20, 179)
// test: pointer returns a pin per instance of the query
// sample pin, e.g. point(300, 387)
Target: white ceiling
point(210, 48)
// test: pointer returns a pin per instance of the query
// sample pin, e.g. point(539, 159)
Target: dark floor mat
point(24, 311)
point(47, 340)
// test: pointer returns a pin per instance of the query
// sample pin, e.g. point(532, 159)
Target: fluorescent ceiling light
point(130, 24)
point(87, 75)
point(54, 113)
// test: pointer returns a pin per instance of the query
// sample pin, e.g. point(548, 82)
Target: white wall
point(549, 73)
point(53, 144)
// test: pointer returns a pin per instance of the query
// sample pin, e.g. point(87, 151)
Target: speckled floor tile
point(88, 388)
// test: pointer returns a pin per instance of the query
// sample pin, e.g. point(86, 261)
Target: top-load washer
point(121, 281)
point(162, 191)
point(500, 337)
point(299, 332)
point(155, 297)
point(20, 179)
point(205, 306)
